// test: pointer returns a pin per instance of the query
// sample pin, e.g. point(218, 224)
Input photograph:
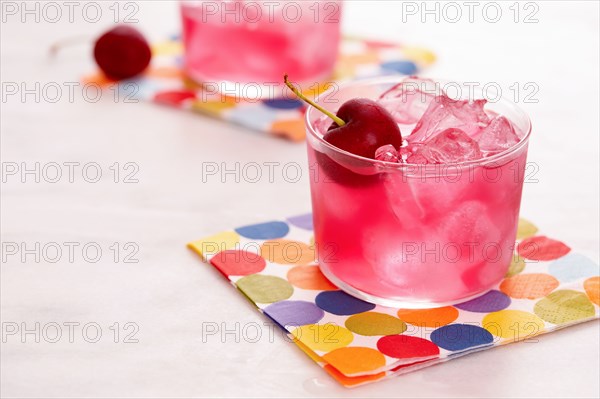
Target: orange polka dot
point(343, 71)
point(352, 381)
point(293, 129)
point(309, 278)
point(287, 252)
point(529, 286)
point(315, 90)
point(165, 72)
point(355, 359)
point(98, 78)
point(191, 84)
point(433, 318)
point(214, 108)
point(592, 289)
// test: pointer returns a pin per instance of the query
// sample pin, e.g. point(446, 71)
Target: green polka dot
point(517, 265)
point(265, 289)
point(525, 229)
point(564, 306)
point(374, 323)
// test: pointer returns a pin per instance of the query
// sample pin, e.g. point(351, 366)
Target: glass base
point(253, 90)
point(396, 303)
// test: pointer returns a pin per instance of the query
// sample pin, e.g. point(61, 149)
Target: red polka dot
point(378, 44)
point(237, 262)
point(174, 97)
point(410, 364)
point(405, 346)
point(542, 248)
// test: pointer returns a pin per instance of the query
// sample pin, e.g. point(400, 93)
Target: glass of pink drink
point(232, 42)
point(439, 226)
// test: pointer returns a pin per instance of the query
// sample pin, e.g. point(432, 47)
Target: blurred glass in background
point(244, 41)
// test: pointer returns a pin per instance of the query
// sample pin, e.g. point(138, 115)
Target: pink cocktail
point(437, 228)
point(256, 41)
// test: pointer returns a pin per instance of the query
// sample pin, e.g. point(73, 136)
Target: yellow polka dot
point(564, 306)
point(262, 288)
point(323, 337)
point(419, 55)
point(525, 229)
point(287, 252)
point(167, 48)
point(513, 324)
point(374, 323)
point(216, 243)
point(308, 351)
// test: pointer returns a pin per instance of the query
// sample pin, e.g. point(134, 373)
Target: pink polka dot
point(542, 248)
point(237, 262)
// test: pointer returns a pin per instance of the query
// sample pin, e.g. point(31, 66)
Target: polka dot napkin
point(165, 83)
point(548, 286)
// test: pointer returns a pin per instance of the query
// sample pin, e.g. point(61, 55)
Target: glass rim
point(403, 166)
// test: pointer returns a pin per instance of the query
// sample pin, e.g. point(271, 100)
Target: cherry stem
point(69, 41)
point(297, 92)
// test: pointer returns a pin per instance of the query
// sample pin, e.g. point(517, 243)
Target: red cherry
point(367, 127)
point(122, 52)
point(360, 127)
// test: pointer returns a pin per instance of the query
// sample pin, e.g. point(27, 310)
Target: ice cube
point(444, 112)
point(469, 222)
point(450, 146)
point(407, 100)
point(499, 135)
point(413, 154)
point(387, 153)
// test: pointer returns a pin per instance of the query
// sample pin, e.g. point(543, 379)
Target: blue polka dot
point(404, 67)
point(457, 337)
point(138, 88)
point(283, 103)
point(302, 221)
point(294, 313)
point(493, 301)
point(341, 304)
point(264, 231)
point(572, 267)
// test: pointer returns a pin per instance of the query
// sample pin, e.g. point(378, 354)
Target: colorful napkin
point(165, 83)
point(548, 286)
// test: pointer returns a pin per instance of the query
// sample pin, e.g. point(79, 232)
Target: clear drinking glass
point(413, 236)
point(243, 41)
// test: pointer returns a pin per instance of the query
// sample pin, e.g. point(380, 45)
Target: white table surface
point(169, 294)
